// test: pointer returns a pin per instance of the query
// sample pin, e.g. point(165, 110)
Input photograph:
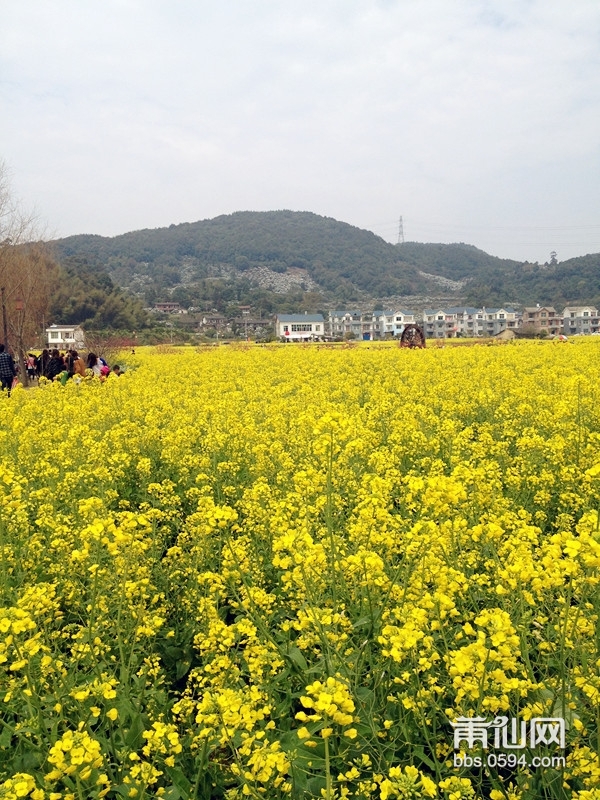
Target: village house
point(390, 324)
point(491, 321)
point(246, 325)
point(580, 320)
point(299, 327)
point(447, 323)
point(439, 323)
point(213, 320)
point(435, 324)
point(65, 337)
point(544, 319)
point(367, 325)
point(343, 323)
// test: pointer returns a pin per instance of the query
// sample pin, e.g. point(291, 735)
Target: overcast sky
point(475, 120)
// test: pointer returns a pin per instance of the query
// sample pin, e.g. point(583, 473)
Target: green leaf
point(360, 623)
point(420, 753)
point(180, 782)
point(5, 737)
point(173, 652)
point(172, 793)
point(134, 738)
point(123, 789)
point(183, 667)
point(296, 657)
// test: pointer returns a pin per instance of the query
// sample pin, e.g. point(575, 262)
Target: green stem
point(200, 772)
point(329, 521)
point(328, 795)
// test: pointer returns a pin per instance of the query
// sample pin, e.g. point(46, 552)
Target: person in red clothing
point(31, 359)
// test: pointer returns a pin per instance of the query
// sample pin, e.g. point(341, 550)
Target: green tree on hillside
point(87, 296)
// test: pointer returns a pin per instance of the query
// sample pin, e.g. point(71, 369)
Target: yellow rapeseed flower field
point(297, 572)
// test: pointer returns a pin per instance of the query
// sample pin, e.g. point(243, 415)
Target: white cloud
point(465, 117)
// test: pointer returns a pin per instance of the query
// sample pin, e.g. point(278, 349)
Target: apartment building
point(378, 324)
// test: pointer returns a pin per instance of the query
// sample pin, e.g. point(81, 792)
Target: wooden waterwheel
point(412, 336)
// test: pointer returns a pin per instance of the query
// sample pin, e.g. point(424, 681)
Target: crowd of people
point(54, 366)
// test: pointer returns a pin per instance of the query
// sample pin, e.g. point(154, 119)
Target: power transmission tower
point(400, 232)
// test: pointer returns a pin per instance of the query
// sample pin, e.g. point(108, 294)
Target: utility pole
point(400, 232)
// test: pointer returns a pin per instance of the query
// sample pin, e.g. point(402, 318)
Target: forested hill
point(284, 260)
point(334, 255)
point(572, 282)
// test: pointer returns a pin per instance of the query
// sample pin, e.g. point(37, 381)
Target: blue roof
point(300, 317)
point(390, 312)
point(452, 310)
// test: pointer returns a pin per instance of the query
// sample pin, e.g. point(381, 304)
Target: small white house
point(299, 327)
point(64, 337)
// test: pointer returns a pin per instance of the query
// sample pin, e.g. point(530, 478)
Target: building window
point(302, 327)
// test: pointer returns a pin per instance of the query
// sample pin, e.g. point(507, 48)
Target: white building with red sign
point(299, 327)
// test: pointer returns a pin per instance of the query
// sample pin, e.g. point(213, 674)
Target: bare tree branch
point(27, 272)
